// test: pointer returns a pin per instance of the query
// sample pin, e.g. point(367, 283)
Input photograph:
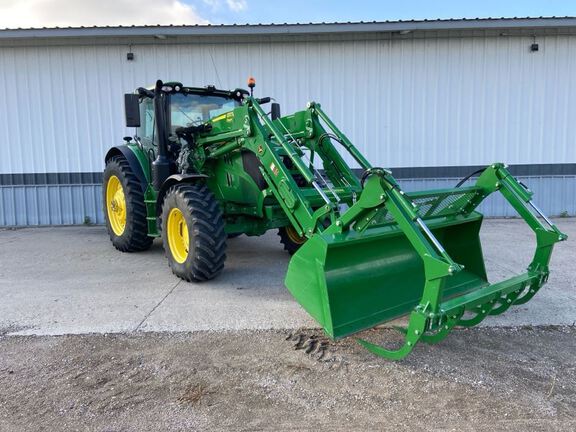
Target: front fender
point(171, 181)
point(135, 162)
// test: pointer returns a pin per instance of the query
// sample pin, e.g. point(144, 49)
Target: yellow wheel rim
point(293, 235)
point(177, 232)
point(116, 205)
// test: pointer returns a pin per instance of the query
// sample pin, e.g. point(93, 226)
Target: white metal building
point(431, 99)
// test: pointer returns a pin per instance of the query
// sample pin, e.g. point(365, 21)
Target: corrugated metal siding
point(50, 205)
point(72, 204)
point(425, 102)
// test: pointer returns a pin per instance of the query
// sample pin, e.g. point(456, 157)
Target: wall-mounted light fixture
point(130, 54)
point(534, 46)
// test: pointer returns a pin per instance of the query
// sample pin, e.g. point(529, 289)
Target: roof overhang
point(288, 33)
point(293, 29)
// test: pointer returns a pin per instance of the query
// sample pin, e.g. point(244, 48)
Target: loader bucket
point(352, 282)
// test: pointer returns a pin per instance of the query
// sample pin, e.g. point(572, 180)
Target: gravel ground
point(478, 379)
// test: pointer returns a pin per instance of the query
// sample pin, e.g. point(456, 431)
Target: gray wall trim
point(37, 179)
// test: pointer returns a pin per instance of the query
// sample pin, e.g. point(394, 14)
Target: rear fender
point(136, 163)
point(173, 180)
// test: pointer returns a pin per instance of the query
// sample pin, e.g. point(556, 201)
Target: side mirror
point(275, 111)
point(132, 110)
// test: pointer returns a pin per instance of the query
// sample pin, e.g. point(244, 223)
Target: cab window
point(194, 109)
point(147, 130)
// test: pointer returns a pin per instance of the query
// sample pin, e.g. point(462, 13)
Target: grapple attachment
point(393, 254)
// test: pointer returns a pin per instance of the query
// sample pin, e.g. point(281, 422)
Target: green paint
point(143, 159)
point(387, 255)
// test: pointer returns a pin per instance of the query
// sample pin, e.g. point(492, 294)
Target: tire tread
point(136, 238)
point(208, 228)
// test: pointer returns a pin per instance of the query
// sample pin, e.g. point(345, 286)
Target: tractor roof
point(238, 93)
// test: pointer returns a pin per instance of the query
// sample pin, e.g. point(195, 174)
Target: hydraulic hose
point(478, 171)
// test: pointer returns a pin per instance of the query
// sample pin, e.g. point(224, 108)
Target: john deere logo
point(229, 116)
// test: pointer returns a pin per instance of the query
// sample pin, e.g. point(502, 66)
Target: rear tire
point(290, 239)
point(193, 232)
point(124, 207)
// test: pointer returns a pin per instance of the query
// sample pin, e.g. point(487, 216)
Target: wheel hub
point(178, 237)
point(116, 205)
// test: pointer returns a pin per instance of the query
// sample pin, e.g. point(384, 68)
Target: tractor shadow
point(254, 265)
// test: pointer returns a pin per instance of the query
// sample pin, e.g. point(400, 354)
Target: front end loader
point(209, 164)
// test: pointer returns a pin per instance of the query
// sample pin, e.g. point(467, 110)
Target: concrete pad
point(508, 246)
point(70, 280)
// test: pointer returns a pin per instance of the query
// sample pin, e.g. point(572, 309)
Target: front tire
point(193, 232)
point(290, 239)
point(124, 207)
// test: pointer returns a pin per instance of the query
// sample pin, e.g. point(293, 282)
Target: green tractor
point(209, 164)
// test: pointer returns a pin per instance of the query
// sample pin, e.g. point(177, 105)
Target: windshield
point(192, 109)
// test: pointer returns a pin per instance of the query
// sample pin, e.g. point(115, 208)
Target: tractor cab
point(169, 113)
point(179, 107)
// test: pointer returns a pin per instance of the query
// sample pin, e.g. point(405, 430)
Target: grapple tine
point(505, 303)
point(444, 329)
point(398, 354)
point(534, 288)
point(415, 330)
point(482, 311)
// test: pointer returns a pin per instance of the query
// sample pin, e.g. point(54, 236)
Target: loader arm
point(280, 147)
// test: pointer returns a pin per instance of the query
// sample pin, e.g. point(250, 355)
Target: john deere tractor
point(208, 164)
